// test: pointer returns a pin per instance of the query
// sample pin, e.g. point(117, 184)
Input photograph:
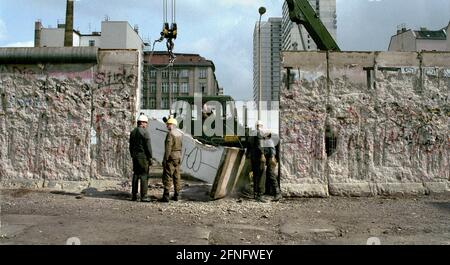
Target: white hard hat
point(143, 118)
point(259, 123)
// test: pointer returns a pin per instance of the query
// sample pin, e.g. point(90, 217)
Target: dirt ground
point(93, 217)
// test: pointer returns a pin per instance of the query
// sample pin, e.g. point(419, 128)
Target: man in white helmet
point(270, 163)
point(141, 152)
point(172, 160)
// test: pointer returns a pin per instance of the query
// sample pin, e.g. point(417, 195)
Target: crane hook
point(169, 32)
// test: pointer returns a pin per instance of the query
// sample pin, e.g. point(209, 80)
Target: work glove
point(263, 158)
point(273, 162)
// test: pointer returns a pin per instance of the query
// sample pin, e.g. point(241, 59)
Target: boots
point(165, 197)
point(259, 198)
point(277, 196)
point(176, 197)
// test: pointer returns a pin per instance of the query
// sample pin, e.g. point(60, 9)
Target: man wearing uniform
point(172, 160)
point(141, 152)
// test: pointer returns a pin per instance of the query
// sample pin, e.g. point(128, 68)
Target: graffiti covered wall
point(67, 125)
point(365, 123)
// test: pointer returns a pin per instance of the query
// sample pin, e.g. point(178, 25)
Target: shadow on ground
point(199, 192)
point(94, 193)
point(191, 192)
point(441, 205)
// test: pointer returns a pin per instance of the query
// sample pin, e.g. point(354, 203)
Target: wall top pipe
point(48, 55)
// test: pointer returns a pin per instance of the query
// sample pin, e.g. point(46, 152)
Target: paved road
point(29, 217)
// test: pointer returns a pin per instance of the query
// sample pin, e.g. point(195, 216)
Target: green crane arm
point(301, 12)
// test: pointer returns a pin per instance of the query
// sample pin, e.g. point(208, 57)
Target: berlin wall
point(66, 126)
point(365, 124)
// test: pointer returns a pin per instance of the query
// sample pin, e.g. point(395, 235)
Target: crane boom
point(301, 12)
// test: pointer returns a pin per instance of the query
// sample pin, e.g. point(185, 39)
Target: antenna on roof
point(106, 17)
point(401, 28)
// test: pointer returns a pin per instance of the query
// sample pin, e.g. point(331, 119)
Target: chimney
point(37, 33)
point(68, 36)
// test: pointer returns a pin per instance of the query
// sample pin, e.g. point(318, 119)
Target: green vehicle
point(233, 133)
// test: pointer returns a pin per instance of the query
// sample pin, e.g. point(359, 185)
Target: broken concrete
point(365, 124)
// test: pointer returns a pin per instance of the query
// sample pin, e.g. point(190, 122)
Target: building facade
point(408, 40)
point(296, 37)
point(270, 61)
point(190, 74)
point(114, 35)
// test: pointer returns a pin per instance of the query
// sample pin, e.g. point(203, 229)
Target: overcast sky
point(222, 30)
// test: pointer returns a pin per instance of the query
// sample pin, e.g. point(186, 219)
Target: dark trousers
point(258, 184)
point(140, 170)
point(272, 186)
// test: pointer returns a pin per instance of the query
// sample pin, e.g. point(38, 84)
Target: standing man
point(141, 152)
point(257, 159)
point(269, 150)
point(172, 160)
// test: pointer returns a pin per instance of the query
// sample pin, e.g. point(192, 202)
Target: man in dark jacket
point(141, 152)
point(256, 153)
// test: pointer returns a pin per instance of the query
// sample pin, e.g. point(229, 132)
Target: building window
point(175, 88)
point(184, 73)
point(175, 73)
point(153, 74)
point(152, 103)
point(203, 88)
point(165, 88)
point(164, 103)
point(144, 104)
point(203, 73)
point(91, 43)
point(185, 88)
point(152, 88)
point(165, 74)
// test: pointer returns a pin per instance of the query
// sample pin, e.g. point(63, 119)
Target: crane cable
point(174, 11)
point(169, 45)
point(165, 15)
point(164, 11)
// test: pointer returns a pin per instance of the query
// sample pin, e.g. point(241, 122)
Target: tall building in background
point(296, 38)
point(281, 34)
point(270, 61)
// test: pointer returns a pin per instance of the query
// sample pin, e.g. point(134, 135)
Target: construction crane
point(169, 31)
point(301, 12)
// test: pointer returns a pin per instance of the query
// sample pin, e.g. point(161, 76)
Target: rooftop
point(161, 58)
point(431, 34)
